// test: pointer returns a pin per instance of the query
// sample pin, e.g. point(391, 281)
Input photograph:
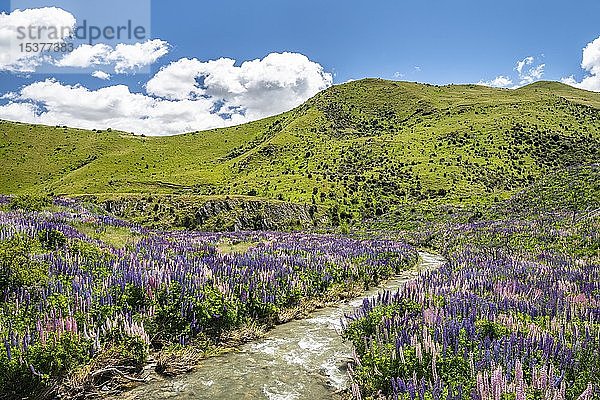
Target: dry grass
point(105, 375)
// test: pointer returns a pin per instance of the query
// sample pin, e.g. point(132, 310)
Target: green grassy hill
point(364, 146)
point(573, 190)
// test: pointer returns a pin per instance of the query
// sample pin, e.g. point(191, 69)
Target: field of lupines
point(513, 314)
point(76, 285)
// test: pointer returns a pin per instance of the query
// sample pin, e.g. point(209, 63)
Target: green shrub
point(128, 350)
point(25, 373)
point(167, 323)
point(28, 202)
point(493, 330)
point(51, 239)
point(93, 258)
point(18, 268)
point(214, 313)
point(367, 326)
point(59, 355)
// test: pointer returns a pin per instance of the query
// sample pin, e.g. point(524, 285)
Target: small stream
point(301, 359)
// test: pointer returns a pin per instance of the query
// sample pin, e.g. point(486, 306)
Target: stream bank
point(301, 359)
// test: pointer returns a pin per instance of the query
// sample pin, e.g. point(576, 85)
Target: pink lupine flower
point(587, 393)
point(519, 383)
point(419, 353)
point(481, 385)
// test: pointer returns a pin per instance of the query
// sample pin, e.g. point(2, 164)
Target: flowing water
point(301, 359)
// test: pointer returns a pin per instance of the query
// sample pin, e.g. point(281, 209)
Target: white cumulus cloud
point(528, 72)
point(260, 87)
point(101, 75)
point(590, 62)
point(85, 56)
point(124, 57)
point(498, 82)
point(177, 80)
point(53, 103)
point(184, 96)
point(129, 57)
point(31, 26)
point(523, 63)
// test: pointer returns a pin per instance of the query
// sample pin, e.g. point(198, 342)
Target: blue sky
point(452, 41)
point(427, 41)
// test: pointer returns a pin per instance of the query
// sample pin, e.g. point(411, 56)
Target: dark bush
point(18, 268)
point(51, 239)
point(29, 202)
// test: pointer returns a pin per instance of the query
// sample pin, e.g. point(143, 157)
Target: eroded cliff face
point(213, 213)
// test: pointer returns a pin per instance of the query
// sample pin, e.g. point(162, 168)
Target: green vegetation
point(360, 149)
point(480, 326)
point(18, 268)
point(505, 183)
point(116, 236)
point(28, 202)
point(85, 297)
point(231, 247)
point(210, 213)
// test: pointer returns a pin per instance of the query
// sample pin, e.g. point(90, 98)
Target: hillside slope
point(363, 146)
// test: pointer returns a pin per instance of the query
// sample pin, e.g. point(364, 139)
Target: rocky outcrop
point(213, 213)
